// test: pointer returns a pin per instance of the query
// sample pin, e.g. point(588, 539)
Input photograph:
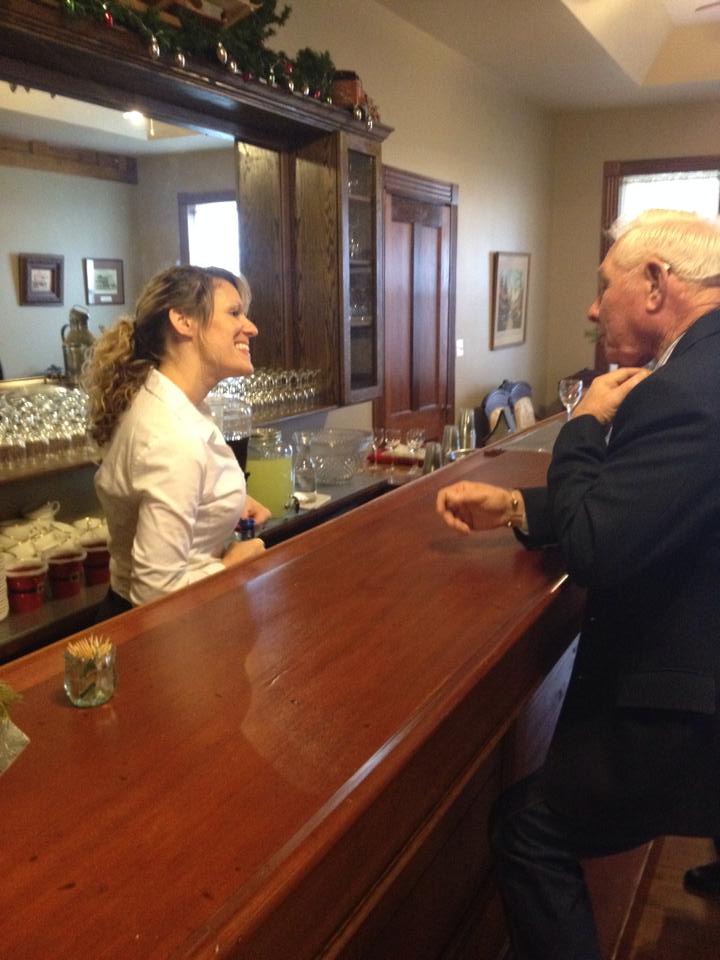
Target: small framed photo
point(103, 281)
point(511, 274)
point(41, 279)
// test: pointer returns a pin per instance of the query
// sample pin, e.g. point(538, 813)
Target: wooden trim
point(36, 155)
point(42, 48)
point(416, 187)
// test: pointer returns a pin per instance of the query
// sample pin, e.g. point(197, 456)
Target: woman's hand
point(469, 506)
point(256, 510)
point(607, 392)
point(242, 551)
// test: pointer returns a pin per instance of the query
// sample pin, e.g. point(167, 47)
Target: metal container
point(76, 342)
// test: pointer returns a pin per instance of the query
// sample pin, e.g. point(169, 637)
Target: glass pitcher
point(270, 470)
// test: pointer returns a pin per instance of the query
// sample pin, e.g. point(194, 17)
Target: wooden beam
point(36, 155)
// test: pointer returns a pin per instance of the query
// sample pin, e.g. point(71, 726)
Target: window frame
point(186, 200)
point(615, 170)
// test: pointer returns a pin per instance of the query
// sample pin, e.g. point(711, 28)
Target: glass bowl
point(338, 454)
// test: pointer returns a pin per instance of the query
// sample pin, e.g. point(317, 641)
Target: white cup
point(18, 530)
point(84, 524)
point(65, 529)
point(47, 540)
point(24, 550)
point(45, 513)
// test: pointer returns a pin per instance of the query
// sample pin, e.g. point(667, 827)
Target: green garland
point(240, 49)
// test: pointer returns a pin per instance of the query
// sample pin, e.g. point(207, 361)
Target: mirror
point(81, 182)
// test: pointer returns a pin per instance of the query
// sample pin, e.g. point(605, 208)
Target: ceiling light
point(134, 117)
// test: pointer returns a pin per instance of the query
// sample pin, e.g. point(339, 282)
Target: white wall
point(582, 142)
point(453, 123)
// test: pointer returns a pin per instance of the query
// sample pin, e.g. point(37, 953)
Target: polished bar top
point(262, 723)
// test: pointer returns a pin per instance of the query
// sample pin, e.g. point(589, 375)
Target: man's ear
point(656, 279)
point(181, 323)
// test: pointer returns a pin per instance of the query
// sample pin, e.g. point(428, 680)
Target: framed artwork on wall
point(103, 281)
point(510, 276)
point(41, 279)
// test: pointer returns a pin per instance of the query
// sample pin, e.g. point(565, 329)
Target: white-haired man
point(636, 753)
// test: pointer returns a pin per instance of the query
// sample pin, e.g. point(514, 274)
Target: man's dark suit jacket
point(638, 521)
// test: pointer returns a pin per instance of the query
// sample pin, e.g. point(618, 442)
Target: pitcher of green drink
point(270, 470)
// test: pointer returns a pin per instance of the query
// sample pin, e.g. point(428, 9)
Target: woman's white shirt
point(172, 492)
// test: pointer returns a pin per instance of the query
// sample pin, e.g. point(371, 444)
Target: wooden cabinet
point(294, 156)
point(361, 243)
point(311, 236)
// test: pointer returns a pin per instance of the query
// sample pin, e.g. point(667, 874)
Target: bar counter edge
point(395, 678)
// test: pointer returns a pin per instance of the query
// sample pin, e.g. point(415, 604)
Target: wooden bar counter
point(301, 754)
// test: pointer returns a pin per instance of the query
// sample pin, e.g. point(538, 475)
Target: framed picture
point(41, 279)
point(511, 273)
point(103, 281)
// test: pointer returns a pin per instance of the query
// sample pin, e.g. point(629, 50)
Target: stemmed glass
point(392, 442)
point(570, 391)
point(415, 438)
point(378, 443)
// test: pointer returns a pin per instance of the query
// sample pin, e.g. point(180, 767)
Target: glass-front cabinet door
point(360, 248)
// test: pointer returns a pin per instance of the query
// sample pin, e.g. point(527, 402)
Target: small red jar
point(97, 561)
point(26, 585)
point(65, 571)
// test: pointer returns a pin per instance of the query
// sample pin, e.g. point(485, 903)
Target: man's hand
point(242, 551)
point(479, 506)
point(608, 391)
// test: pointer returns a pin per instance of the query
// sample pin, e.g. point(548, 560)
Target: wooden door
point(420, 228)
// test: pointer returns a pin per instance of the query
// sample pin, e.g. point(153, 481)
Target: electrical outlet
point(459, 348)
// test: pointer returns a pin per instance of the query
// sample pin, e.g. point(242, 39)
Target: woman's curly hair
point(123, 355)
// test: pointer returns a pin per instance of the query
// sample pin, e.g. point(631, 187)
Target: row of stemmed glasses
point(389, 439)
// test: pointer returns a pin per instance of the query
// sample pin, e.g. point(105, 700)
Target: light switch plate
point(459, 348)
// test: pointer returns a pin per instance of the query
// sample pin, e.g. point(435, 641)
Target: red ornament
point(288, 68)
point(317, 94)
point(107, 16)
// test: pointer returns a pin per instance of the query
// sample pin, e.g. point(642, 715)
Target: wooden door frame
point(414, 186)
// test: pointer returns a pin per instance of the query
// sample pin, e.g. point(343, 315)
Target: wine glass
point(570, 391)
point(450, 443)
point(392, 442)
point(378, 443)
point(415, 438)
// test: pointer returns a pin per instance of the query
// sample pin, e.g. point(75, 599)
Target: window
point(675, 183)
point(209, 230)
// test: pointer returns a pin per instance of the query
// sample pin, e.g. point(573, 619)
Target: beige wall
point(58, 214)
point(453, 123)
point(83, 217)
point(582, 142)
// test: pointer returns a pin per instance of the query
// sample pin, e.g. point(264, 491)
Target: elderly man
point(636, 753)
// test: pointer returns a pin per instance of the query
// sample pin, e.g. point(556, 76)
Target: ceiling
point(562, 54)
point(570, 54)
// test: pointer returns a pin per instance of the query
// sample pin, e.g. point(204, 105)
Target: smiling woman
point(169, 484)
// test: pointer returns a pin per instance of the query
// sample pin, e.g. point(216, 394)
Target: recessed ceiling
point(35, 115)
point(567, 54)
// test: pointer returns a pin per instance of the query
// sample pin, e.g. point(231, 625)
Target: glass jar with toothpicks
point(90, 675)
